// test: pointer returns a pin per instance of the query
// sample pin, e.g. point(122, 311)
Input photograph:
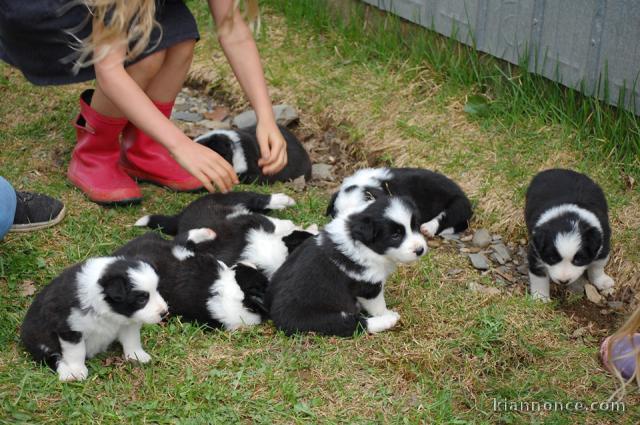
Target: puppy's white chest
point(98, 332)
point(265, 250)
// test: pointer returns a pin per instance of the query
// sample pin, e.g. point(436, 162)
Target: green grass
point(454, 352)
point(601, 130)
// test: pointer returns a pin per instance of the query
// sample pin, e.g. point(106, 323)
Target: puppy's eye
point(142, 299)
point(396, 235)
point(580, 259)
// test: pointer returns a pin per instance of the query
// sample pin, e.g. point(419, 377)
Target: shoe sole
point(105, 203)
point(30, 227)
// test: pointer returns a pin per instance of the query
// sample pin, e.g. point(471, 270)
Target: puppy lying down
point(197, 286)
point(240, 148)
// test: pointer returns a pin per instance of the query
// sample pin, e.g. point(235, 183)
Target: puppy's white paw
point(142, 221)
point(382, 323)
point(201, 235)
point(540, 297)
point(429, 228)
point(138, 356)
point(604, 283)
point(280, 201)
point(72, 372)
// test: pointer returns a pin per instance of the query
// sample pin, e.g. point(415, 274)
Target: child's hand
point(273, 147)
point(205, 165)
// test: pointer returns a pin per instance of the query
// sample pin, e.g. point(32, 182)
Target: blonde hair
point(627, 331)
point(117, 23)
point(130, 23)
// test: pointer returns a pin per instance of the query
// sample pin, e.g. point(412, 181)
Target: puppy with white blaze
point(324, 285)
point(568, 224)
point(443, 208)
point(89, 306)
point(198, 286)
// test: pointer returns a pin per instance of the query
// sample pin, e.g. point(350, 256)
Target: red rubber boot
point(147, 160)
point(94, 163)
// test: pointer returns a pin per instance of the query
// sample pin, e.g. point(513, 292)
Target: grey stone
point(451, 237)
point(454, 272)
point(187, 116)
point(479, 261)
point(284, 114)
point(577, 287)
point(322, 172)
point(298, 184)
point(481, 238)
point(616, 305)
point(502, 252)
point(488, 290)
point(523, 269)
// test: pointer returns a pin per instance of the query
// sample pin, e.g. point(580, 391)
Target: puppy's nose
point(419, 251)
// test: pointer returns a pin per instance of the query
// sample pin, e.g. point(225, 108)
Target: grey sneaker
point(35, 211)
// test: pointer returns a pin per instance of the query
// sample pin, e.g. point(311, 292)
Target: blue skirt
point(35, 38)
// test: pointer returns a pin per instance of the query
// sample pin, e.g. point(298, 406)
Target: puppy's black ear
point(221, 144)
point(115, 288)
point(295, 239)
point(362, 228)
point(591, 241)
point(331, 209)
point(537, 240)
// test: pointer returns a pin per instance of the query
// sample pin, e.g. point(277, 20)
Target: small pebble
point(479, 261)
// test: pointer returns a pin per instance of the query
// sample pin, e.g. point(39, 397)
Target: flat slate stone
point(481, 238)
point(502, 252)
point(284, 114)
point(479, 261)
point(187, 116)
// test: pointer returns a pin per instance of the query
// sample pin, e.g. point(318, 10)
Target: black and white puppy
point(89, 306)
point(198, 286)
point(324, 284)
point(240, 148)
point(443, 207)
point(566, 216)
point(243, 233)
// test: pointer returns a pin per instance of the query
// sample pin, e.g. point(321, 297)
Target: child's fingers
point(277, 165)
point(206, 181)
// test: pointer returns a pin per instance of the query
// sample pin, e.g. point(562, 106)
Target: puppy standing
point(322, 286)
point(566, 215)
point(90, 305)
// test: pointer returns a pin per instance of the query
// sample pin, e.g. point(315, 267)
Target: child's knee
point(150, 65)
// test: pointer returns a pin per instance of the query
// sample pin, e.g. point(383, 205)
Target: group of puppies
point(230, 264)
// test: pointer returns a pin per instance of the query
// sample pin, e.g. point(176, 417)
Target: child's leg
point(94, 163)
point(168, 81)
point(142, 73)
point(144, 158)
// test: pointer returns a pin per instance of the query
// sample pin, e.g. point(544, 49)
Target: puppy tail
point(166, 223)
point(457, 215)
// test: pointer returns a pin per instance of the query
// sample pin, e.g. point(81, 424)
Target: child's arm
point(203, 163)
point(240, 49)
